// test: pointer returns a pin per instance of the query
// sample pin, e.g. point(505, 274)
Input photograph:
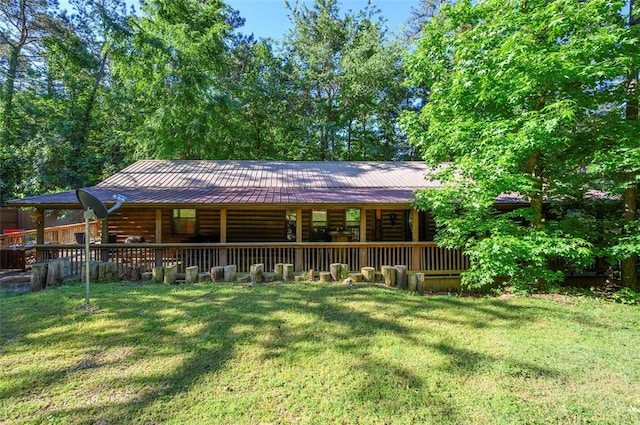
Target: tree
point(23, 26)
point(171, 65)
point(520, 94)
point(347, 82)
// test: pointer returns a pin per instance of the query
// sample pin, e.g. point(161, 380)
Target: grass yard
point(317, 354)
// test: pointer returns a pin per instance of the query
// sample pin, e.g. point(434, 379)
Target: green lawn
point(286, 353)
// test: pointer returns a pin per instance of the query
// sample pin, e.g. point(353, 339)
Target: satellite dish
point(90, 202)
point(93, 209)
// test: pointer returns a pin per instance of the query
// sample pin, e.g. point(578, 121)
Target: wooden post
point(223, 235)
point(388, 275)
point(299, 260)
point(104, 238)
point(415, 237)
point(287, 272)
point(364, 257)
point(191, 274)
point(401, 276)
point(40, 234)
point(158, 251)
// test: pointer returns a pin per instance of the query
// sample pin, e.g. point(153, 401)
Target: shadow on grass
point(194, 331)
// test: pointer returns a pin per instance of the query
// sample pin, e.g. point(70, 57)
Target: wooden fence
point(52, 235)
point(417, 256)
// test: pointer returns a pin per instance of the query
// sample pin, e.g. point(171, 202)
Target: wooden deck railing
point(53, 235)
point(423, 256)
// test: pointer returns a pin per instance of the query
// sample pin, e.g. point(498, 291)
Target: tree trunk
point(629, 268)
point(534, 168)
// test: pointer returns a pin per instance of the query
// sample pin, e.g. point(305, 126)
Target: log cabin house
point(310, 214)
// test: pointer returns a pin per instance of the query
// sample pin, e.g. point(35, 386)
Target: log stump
point(256, 272)
point(278, 269)
point(157, 274)
point(230, 273)
point(413, 282)
point(54, 272)
point(204, 277)
point(147, 276)
point(420, 283)
point(38, 276)
point(217, 274)
point(356, 277)
point(401, 276)
point(344, 271)
point(94, 267)
point(388, 275)
point(287, 272)
point(325, 277)
point(107, 272)
point(335, 270)
point(368, 274)
point(170, 275)
point(191, 274)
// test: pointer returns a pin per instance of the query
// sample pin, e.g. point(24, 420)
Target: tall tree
point(519, 93)
point(171, 65)
point(348, 83)
point(23, 26)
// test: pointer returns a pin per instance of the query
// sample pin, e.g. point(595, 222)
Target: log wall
point(128, 222)
point(268, 225)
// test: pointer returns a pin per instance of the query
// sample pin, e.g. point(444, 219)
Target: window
point(319, 225)
point(184, 222)
point(352, 223)
point(352, 218)
point(290, 216)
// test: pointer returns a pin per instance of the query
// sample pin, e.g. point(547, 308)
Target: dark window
point(184, 222)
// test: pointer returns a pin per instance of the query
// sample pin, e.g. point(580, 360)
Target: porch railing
point(65, 234)
point(422, 256)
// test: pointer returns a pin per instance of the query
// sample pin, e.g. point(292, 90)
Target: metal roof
point(270, 174)
point(229, 183)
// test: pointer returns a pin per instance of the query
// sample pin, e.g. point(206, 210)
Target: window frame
point(180, 225)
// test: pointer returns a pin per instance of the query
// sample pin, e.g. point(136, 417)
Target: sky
point(269, 18)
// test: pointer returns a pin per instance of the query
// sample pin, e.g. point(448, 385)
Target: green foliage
point(521, 98)
point(347, 79)
point(170, 64)
point(627, 296)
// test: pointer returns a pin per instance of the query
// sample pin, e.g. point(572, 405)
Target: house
point(237, 212)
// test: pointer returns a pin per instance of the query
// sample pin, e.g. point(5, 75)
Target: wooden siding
point(256, 226)
point(126, 222)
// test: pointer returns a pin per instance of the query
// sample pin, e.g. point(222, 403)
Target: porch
point(425, 257)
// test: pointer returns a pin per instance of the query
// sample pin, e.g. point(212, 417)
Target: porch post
point(39, 219)
point(299, 252)
point(158, 237)
point(223, 236)
point(415, 237)
point(363, 238)
point(104, 238)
